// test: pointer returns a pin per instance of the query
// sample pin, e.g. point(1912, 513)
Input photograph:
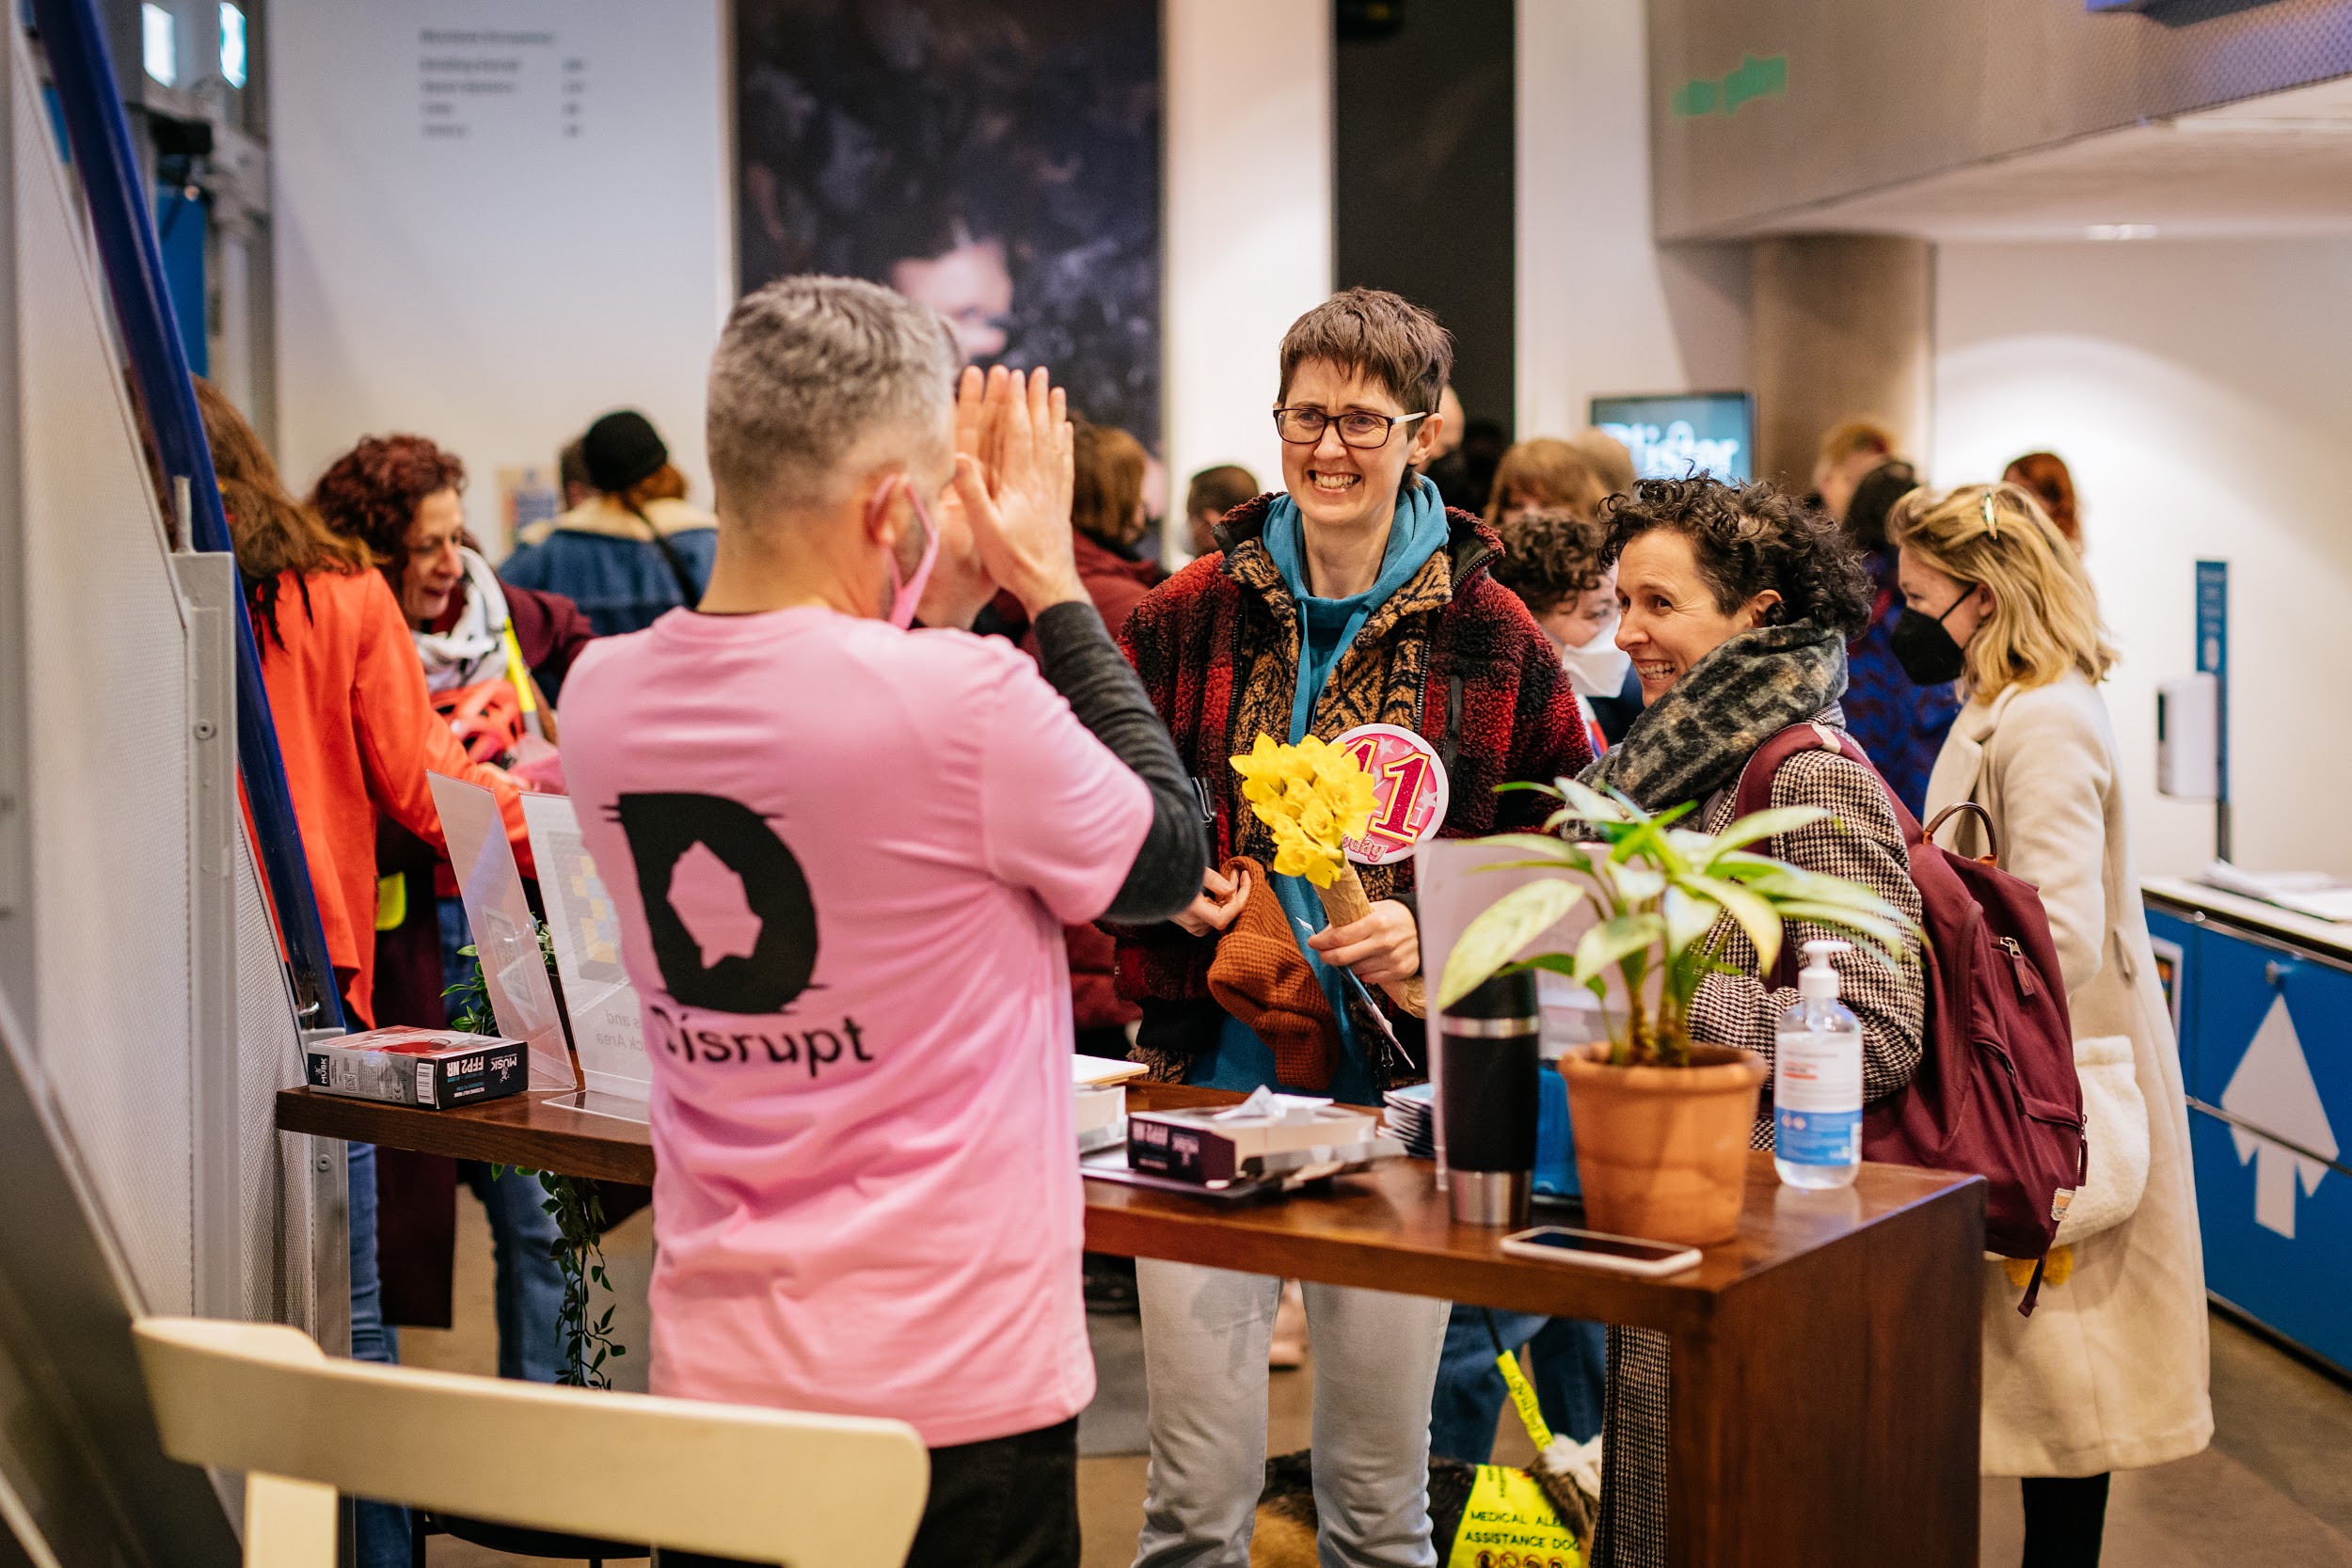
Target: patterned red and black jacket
point(1453, 655)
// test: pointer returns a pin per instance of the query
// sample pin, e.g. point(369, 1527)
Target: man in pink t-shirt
point(842, 853)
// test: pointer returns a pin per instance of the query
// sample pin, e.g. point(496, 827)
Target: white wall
point(499, 290)
point(1603, 307)
point(1247, 243)
point(2198, 390)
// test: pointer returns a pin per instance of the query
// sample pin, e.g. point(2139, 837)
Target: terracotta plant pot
point(1663, 1151)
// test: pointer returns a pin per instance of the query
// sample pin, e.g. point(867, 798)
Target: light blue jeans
point(382, 1528)
point(1205, 1333)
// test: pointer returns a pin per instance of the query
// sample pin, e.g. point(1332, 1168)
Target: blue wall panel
point(2266, 1045)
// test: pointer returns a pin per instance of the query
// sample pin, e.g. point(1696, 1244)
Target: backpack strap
point(1763, 767)
point(688, 594)
point(2033, 1285)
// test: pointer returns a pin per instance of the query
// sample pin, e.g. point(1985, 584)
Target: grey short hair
point(806, 370)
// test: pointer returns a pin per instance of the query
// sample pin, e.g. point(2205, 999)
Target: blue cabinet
point(2267, 1056)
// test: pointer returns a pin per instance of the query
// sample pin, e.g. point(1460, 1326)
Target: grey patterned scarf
point(1696, 738)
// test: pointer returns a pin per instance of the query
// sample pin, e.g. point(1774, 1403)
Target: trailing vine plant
point(577, 1203)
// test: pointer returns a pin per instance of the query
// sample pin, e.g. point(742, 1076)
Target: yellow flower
point(1313, 796)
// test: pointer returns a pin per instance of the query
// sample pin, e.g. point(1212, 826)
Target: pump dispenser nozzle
point(1817, 978)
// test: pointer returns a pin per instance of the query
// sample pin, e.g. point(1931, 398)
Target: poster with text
point(607, 1025)
point(997, 159)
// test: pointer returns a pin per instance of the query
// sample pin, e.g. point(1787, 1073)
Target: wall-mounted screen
point(1674, 435)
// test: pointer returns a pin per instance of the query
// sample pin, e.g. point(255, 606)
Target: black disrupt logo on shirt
point(660, 829)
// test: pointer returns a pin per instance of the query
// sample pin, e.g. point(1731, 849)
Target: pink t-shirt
point(842, 855)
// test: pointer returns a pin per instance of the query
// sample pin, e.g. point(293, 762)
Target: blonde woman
point(2109, 1373)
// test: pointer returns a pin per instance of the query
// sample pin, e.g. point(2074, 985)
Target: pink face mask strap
point(906, 594)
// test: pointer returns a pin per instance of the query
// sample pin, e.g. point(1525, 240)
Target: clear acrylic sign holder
point(608, 1028)
point(505, 936)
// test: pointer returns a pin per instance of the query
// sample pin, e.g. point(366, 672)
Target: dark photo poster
point(997, 159)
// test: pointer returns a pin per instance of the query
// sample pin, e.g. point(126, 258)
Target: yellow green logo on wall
point(1766, 78)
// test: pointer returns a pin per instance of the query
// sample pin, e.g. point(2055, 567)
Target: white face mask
point(1596, 668)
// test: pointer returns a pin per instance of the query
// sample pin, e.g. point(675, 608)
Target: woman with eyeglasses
point(1353, 597)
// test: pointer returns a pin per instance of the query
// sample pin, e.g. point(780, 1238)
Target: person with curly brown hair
point(401, 496)
point(1553, 561)
point(477, 642)
point(1738, 601)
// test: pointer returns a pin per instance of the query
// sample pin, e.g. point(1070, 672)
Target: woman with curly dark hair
point(1738, 601)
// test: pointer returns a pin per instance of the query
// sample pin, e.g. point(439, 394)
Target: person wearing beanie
point(635, 549)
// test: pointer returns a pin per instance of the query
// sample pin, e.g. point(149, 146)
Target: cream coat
point(2109, 1373)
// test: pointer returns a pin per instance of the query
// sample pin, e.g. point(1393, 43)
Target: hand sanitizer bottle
point(1816, 1080)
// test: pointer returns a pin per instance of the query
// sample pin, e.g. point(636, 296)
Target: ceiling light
point(159, 46)
point(233, 56)
point(2120, 231)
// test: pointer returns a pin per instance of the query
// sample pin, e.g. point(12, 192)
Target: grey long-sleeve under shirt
point(1082, 663)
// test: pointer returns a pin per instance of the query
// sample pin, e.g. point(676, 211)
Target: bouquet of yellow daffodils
point(1313, 795)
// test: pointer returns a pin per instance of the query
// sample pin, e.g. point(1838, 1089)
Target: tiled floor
point(2274, 1490)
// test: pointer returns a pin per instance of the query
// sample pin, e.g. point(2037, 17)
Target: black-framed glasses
point(1304, 427)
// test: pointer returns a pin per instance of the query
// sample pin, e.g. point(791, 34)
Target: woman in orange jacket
point(353, 721)
point(358, 735)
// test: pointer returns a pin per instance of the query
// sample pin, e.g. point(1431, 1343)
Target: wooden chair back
point(731, 1480)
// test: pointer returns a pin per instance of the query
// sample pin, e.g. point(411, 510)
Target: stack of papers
point(2312, 893)
point(1102, 1117)
point(1412, 1117)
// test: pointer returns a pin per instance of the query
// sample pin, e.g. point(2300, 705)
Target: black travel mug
point(1488, 1098)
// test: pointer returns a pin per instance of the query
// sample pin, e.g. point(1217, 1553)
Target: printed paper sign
point(1409, 791)
point(1454, 879)
point(608, 1028)
point(504, 933)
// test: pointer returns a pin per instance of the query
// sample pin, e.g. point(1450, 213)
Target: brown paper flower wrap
point(1315, 797)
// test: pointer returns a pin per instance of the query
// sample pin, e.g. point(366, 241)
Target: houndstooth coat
point(1861, 841)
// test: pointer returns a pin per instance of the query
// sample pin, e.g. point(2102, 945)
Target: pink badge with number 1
point(1409, 791)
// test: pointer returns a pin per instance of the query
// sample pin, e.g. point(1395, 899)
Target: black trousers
point(1010, 1502)
point(2066, 1520)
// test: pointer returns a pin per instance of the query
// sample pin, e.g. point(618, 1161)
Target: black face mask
point(1924, 650)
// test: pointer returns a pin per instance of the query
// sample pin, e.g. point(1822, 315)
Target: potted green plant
point(1662, 1121)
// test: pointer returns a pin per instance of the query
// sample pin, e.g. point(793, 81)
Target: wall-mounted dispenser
point(2188, 738)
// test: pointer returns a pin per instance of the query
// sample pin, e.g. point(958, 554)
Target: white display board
point(494, 220)
point(1454, 879)
point(505, 935)
point(607, 1026)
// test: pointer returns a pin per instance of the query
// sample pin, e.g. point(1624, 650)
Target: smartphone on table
point(1594, 1250)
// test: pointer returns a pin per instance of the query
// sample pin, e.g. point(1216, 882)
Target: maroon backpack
point(1996, 1094)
